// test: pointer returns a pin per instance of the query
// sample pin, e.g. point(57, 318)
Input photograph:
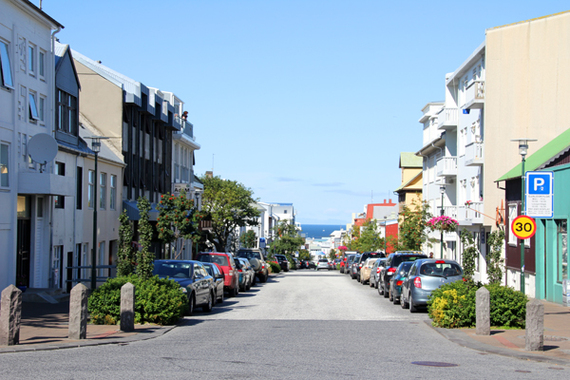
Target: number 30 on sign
point(523, 227)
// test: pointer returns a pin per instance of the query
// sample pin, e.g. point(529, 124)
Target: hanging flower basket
point(342, 248)
point(442, 223)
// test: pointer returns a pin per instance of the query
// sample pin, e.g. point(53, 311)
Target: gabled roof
point(60, 51)
point(410, 160)
point(414, 179)
point(552, 150)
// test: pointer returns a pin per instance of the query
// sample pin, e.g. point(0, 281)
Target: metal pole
point(441, 236)
point(94, 251)
point(522, 213)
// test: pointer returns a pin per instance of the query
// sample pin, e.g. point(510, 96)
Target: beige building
point(410, 190)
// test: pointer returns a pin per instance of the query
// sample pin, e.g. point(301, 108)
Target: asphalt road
point(299, 325)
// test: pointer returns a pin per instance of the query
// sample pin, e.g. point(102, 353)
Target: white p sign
point(538, 184)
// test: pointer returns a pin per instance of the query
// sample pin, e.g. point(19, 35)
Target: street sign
point(523, 227)
point(539, 197)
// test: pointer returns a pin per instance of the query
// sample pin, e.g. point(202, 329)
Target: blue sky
point(307, 102)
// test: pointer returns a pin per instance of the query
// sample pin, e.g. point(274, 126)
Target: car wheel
point(191, 304)
point(208, 307)
point(395, 300)
point(221, 298)
point(413, 308)
point(371, 283)
point(380, 290)
point(386, 291)
point(390, 297)
point(403, 302)
point(358, 278)
point(235, 291)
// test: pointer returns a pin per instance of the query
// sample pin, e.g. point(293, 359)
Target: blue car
point(397, 280)
point(193, 279)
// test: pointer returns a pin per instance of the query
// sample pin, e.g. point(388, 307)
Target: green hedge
point(453, 305)
point(275, 267)
point(158, 301)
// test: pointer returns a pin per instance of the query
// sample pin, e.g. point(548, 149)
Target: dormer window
point(67, 113)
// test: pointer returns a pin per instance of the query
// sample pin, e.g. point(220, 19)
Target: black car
point(216, 272)
point(395, 259)
point(282, 261)
point(353, 266)
point(193, 278)
point(365, 256)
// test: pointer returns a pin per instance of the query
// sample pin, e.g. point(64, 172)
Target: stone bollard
point(534, 337)
point(128, 307)
point(78, 312)
point(10, 316)
point(483, 312)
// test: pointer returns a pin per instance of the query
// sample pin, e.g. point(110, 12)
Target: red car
point(227, 264)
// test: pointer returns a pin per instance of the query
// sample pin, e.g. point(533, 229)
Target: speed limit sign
point(523, 227)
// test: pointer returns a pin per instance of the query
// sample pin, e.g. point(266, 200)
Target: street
point(299, 325)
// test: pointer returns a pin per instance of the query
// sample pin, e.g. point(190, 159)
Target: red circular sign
point(523, 227)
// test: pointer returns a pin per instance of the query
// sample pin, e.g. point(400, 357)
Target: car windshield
point(405, 267)
point(173, 269)
point(218, 259)
point(249, 254)
point(440, 269)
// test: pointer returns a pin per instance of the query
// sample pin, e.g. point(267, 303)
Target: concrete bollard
point(10, 316)
point(78, 312)
point(534, 337)
point(128, 307)
point(483, 312)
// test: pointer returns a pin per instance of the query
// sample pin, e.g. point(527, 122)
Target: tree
point(469, 255)
point(230, 205)
point(125, 255)
point(287, 239)
point(145, 256)
point(248, 239)
point(178, 218)
point(304, 254)
point(369, 240)
point(412, 229)
point(332, 254)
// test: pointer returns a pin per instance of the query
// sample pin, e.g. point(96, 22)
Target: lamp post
point(523, 150)
point(442, 191)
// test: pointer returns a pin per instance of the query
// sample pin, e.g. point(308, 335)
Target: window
point(60, 168)
point(31, 59)
point(34, 115)
point(59, 199)
point(66, 113)
point(113, 196)
point(103, 194)
point(41, 110)
point(79, 189)
point(4, 168)
point(91, 189)
point(6, 70)
point(41, 64)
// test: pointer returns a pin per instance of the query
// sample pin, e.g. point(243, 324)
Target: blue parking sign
point(539, 197)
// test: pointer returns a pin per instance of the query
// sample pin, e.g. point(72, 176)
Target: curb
point(457, 337)
point(87, 342)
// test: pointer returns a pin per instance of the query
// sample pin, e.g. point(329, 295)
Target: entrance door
point(23, 260)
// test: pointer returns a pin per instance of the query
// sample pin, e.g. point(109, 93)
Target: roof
point(42, 13)
point(404, 185)
point(410, 160)
point(526, 21)
point(551, 150)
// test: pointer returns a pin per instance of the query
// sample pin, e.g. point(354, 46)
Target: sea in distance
point(319, 231)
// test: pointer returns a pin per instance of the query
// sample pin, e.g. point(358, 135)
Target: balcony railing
point(475, 95)
point(446, 166)
point(474, 154)
point(447, 118)
point(186, 128)
point(470, 214)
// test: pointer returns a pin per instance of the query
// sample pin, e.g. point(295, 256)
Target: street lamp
point(96, 148)
point(442, 191)
point(523, 150)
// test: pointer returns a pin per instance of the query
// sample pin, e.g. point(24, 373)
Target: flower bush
point(442, 223)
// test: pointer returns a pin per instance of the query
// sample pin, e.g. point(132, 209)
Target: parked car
point(226, 261)
point(348, 263)
point(322, 264)
point(378, 266)
point(397, 280)
point(245, 272)
point(215, 271)
point(365, 256)
point(353, 267)
point(193, 279)
point(425, 276)
point(296, 263)
point(282, 261)
point(394, 259)
point(366, 269)
point(344, 267)
point(336, 263)
point(257, 261)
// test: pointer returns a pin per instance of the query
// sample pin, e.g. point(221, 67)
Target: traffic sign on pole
point(539, 202)
point(523, 227)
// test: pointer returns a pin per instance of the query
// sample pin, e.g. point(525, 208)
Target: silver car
point(323, 264)
point(425, 276)
point(379, 264)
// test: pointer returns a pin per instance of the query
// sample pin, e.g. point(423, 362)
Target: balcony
point(475, 95)
point(186, 129)
point(474, 154)
point(472, 214)
point(447, 118)
point(45, 183)
point(446, 166)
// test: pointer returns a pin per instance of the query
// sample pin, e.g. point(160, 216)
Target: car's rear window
point(323, 261)
point(173, 269)
point(249, 254)
point(440, 269)
point(397, 260)
point(218, 259)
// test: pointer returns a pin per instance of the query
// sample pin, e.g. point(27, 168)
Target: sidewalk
point(44, 326)
point(512, 342)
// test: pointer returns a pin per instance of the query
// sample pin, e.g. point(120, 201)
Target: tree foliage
point(125, 255)
point(469, 255)
point(412, 229)
point(304, 254)
point(369, 239)
point(287, 239)
point(494, 256)
point(248, 239)
point(177, 219)
point(145, 256)
point(230, 205)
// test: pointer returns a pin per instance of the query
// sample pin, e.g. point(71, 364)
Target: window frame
point(31, 61)
point(103, 191)
point(113, 192)
point(4, 165)
point(90, 189)
point(33, 107)
point(5, 66)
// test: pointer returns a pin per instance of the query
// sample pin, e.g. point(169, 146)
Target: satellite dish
point(42, 148)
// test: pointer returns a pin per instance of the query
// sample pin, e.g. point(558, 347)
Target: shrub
point(158, 301)
point(453, 305)
point(275, 267)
